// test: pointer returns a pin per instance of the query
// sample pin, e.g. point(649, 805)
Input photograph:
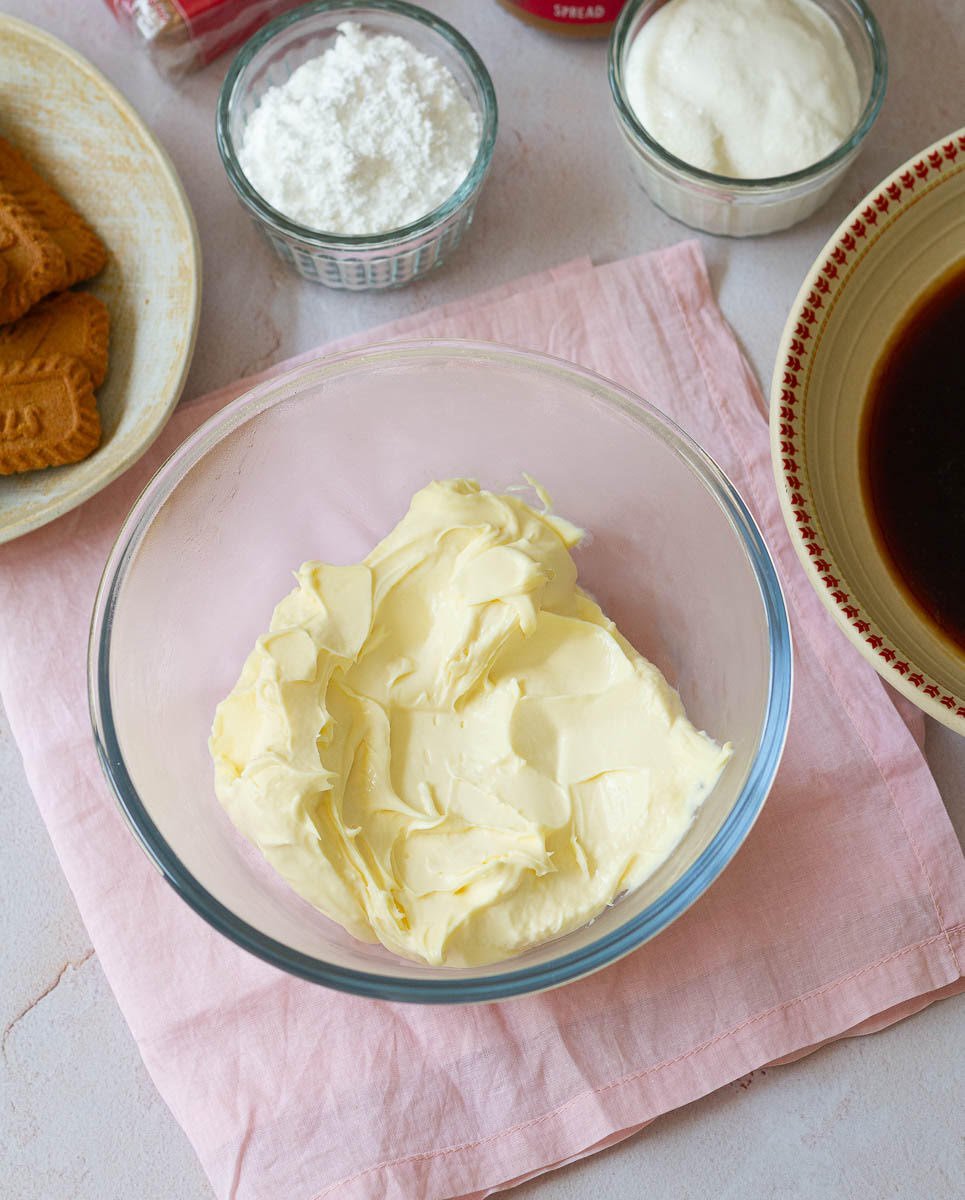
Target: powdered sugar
point(369, 136)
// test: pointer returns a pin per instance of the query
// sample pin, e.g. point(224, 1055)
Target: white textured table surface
point(873, 1117)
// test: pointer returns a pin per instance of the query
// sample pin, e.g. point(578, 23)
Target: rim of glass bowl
point(512, 981)
point(630, 122)
point(257, 204)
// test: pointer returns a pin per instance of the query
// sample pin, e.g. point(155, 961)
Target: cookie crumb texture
point(31, 263)
point(369, 136)
point(48, 415)
point(84, 254)
point(75, 324)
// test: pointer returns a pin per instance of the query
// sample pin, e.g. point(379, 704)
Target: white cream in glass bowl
point(742, 116)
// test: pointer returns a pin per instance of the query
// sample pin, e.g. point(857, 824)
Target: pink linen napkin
point(843, 912)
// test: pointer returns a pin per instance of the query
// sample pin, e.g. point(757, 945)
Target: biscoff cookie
point(72, 323)
point(48, 415)
point(84, 252)
point(33, 263)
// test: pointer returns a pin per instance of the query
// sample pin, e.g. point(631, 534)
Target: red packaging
point(182, 35)
point(567, 18)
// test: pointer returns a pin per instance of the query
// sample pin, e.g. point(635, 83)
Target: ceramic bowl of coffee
point(867, 439)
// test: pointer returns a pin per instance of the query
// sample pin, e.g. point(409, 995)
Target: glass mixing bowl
point(321, 463)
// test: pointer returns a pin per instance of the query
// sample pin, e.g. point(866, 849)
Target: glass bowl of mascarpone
point(358, 137)
point(742, 116)
point(525, 673)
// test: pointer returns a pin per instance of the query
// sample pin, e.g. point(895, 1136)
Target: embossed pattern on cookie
point(83, 250)
point(33, 263)
point(73, 323)
point(48, 415)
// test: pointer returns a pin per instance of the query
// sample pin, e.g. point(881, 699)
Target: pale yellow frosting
point(448, 747)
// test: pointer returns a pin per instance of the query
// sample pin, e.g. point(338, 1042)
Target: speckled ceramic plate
point(87, 140)
point(902, 238)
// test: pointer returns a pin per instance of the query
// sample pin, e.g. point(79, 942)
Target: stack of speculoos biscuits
point(53, 342)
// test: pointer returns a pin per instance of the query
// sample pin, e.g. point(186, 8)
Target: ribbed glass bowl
point(747, 207)
point(321, 463)
point(356, 263)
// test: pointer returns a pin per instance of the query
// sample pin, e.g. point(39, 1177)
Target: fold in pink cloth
point(843, 912)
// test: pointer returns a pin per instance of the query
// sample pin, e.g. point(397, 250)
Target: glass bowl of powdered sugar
point(358, 137)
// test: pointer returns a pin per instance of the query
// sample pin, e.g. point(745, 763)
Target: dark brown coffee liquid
point(914, 454)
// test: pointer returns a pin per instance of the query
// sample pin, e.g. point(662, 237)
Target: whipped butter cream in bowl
point(358, 137)
point(496, 734)
point(449, 747)
point(741, 116)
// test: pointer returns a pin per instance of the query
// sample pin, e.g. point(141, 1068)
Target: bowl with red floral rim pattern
point(891, 250)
